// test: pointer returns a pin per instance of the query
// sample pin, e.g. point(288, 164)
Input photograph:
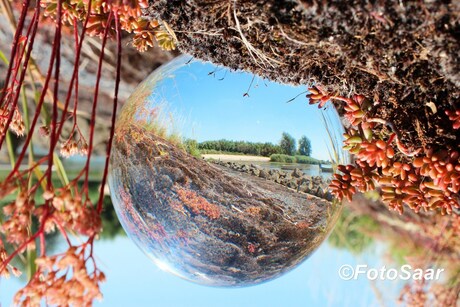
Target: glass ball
point(192, 182)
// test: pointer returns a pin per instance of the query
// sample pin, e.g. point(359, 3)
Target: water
point(131, 279)
point(358, 239)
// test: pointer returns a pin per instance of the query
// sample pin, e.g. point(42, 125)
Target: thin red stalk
point(17, 36)
point(55, 92)
point(91, 247)
point(391, 138)
point(114, 114)
point(78, 48)
point(42, 244)
point(18, 59)
point(75, 104)
point(37, 112)
point(34, 188)
point(62, 230)
point(15, 86)
point(23, 72)
point(28, 170)
point(96, 95)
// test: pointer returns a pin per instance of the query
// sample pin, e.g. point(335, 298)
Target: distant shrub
point(293, 159)
point(289, 159)
point(276, 158)
point(306, 159)
point(220, 152)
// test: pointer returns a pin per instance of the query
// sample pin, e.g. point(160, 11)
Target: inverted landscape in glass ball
point(221, 177)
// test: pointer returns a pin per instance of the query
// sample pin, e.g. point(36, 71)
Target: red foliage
point(197, 204)
point(455, 117)
point(422, 179)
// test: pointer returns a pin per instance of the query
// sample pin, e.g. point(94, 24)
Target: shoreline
point(294, 179)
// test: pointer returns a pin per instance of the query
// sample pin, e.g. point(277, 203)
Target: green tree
point(287, 144)
point(304, 146)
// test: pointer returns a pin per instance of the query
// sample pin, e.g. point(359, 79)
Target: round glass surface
point(221, 177)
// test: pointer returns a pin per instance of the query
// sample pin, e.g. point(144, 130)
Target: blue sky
point(205, 107)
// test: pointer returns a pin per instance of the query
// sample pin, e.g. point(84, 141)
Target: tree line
point(287, 146)
point(248, 148)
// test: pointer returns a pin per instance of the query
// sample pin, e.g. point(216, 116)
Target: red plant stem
point(75, 78)
point(114, 114)
point(62, 230)
point(78, 47)
point(95, 99)
point(75, 104)
point(37, 113)
point(34, 188)
point(391, 139)
point(18, 59)
point(23, 72)
point(28, 170)
point(42, 244)
point(15, 85)
point(17, 35)
point(53, 135)
point(20, 55)
point(90, 242)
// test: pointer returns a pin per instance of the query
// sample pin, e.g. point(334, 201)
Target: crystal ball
point(209, 175)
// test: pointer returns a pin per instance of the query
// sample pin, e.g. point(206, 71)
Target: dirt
point(401, 54)
point(235, 228)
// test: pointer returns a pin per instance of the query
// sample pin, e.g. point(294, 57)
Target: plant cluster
point(78, 288)
point(97, 14)
point(423, 179)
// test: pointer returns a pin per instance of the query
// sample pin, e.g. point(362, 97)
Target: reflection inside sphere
point(214, 221)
